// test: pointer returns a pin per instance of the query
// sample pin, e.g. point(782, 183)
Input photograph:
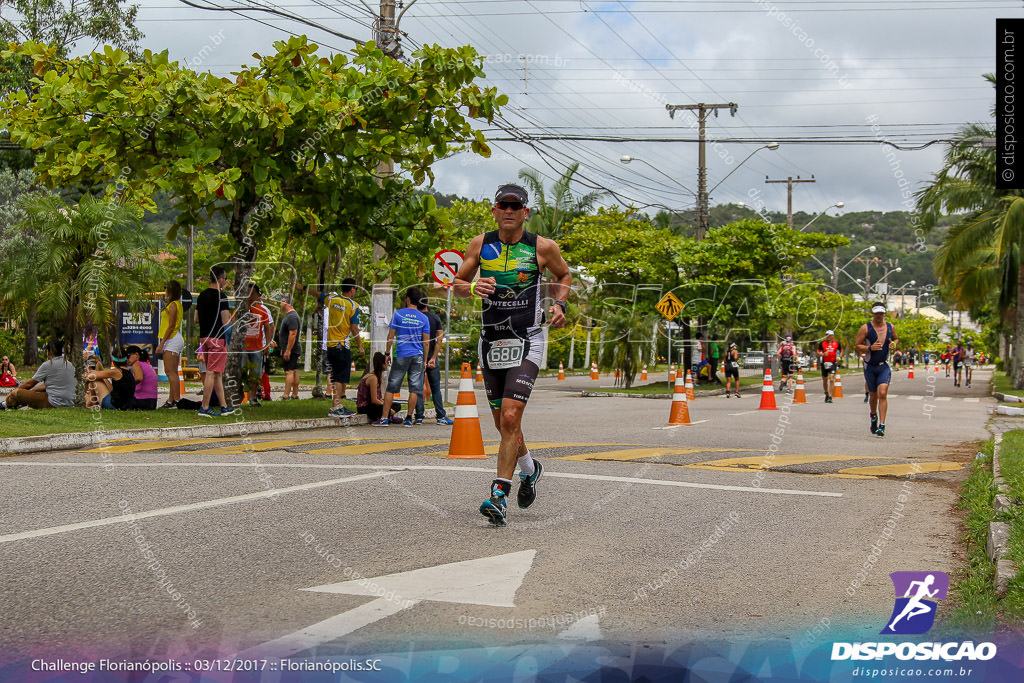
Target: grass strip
point(1011, 464)
point(972, 606)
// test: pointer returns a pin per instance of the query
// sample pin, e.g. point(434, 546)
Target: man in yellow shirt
point(341, 323)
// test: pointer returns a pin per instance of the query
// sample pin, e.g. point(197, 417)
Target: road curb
point(243, 428)
point(1008, 398)
point(999, 532)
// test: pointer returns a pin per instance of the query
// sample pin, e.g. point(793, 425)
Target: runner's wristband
point(563, 305)
point(472, 287)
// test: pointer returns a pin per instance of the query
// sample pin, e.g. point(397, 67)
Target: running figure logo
point(914, 612)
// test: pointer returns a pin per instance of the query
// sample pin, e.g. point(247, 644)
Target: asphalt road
point(639, 533)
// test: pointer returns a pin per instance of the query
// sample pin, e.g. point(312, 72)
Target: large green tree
point(294, 142)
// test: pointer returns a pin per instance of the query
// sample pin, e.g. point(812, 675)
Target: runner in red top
point(829, 352)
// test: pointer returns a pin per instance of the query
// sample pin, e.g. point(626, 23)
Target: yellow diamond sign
point(669, 306)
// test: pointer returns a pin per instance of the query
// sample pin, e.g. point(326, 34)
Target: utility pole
point(382, 297)
point(702, 172)
point(789, 194)
point(702, 190)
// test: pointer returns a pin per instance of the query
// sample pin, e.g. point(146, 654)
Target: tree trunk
point(1018, 335)
point(233, 385)
point(31, 353)
point(318, 361)
point(1003, 347)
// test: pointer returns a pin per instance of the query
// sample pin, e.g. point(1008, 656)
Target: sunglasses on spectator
point(515, 206)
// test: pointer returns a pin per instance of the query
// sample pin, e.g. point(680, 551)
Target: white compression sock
point(526, 464)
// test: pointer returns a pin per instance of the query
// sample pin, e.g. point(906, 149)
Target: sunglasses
point(505, 206)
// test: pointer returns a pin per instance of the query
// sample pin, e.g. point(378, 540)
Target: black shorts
point(293, 362)
point(733, 372)
point(515, 382)
point(340, 360)
point(825, 372)
point(787, 366)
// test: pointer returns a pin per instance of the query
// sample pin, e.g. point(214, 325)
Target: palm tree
point(553, 210)
point(88, 254)
point(980, 256)
point(18, 246)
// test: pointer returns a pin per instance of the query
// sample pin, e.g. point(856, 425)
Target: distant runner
point(829, 351)
point(786, 354)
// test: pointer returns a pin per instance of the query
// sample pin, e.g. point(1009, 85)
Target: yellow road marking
point(903, 470)
point(493, 448)
point(157, 445)
point(766, 462)
point(650, 452)
point(235, 449)
point(363, 449)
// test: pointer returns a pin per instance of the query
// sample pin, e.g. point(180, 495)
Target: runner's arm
point(559, 269)
point(862, 337)
point(464, 278)
point(426, 346)
point(391, 341)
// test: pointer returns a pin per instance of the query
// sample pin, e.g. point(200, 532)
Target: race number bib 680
point(504, 354)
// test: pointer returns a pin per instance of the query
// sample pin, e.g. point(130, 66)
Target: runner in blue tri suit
point(511, 262)
point(876, 338)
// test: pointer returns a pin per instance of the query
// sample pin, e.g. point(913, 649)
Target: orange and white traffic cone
point(800, 394)
point(680, 413)
point(643, 375)
point(479, 373)
point(467, 440)
point(910, 375)
point(561, 372)
point(594, 375)
point(767, 392)
point(838, 391)
point(352, 369)
point(690, 396)
point(672, 373)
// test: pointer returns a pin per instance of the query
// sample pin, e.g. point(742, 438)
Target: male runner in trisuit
point(829, 351)
point(876, 338)
point(511, 262)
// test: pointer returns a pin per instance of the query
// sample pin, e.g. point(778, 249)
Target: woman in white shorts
point(171, 342)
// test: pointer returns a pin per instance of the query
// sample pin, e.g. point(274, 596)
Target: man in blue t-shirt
point(409, 333)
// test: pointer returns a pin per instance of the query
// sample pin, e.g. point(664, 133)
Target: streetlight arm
point(771, 146)
point(626, 159)
point(837, 205)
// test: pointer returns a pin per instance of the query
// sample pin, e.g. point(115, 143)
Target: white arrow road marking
point(587, 628)
point(489, 581)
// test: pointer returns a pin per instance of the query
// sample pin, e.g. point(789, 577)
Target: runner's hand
point(432, 363)
point(556, 316)
point(485, 286)
point(877, 346)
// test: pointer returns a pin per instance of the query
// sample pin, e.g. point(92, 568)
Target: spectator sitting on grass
point(8, 373)
point(369, 401)
point(145, 378)
point(116, 394)
point(53, 385)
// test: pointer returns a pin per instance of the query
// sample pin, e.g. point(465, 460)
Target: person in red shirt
point(259, 331)
point(829, 352)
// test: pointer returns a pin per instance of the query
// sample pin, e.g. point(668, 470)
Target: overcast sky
point(799, 70)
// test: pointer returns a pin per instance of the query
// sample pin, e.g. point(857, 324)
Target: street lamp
point(771, 145)
point(836, 269)
point(837, 205)
point(901, 291)
point(625, 158)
